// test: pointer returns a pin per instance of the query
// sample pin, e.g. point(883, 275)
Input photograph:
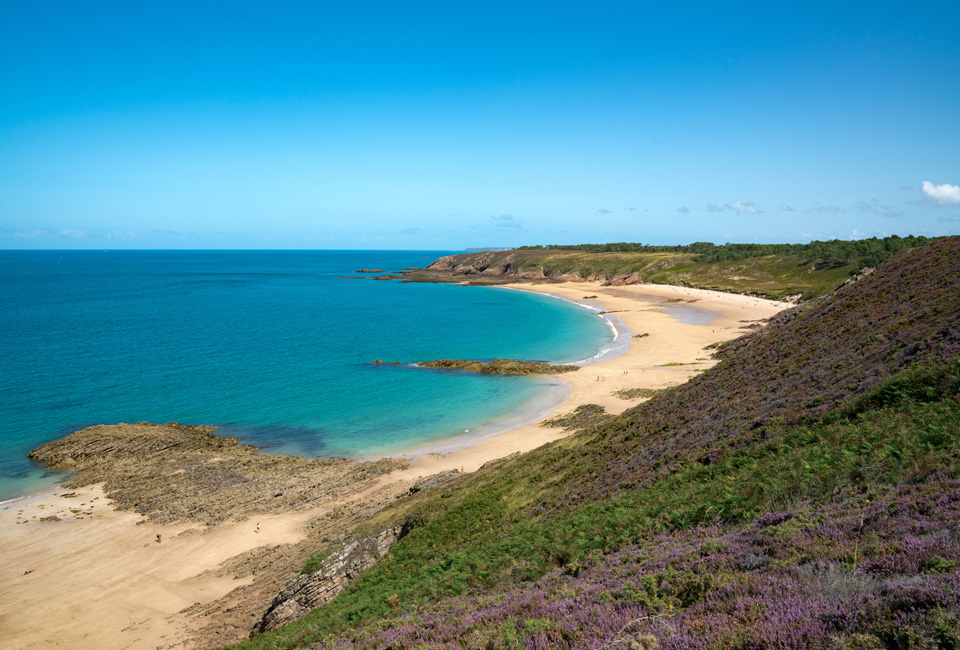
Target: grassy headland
point(803, 493)
point(781, 271)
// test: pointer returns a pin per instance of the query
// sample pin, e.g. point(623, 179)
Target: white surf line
point(611, 322)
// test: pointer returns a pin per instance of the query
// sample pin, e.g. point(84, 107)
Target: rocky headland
point(791, 273)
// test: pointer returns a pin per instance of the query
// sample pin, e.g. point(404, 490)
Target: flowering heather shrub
point(689, 591)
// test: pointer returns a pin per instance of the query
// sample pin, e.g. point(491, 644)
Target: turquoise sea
point(272, 346)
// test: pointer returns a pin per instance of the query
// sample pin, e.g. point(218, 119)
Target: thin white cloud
point(506, 221)
point(129, 234)
point(785, 208)
point(954, 218)
point(713, 207)
point(874, 206)
point(683, 210)
point(945, 194)
point(603, 211)
point(31, 234)
point(744, 208)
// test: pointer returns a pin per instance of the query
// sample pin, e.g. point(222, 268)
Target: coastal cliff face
point(517, 265)
point(310, 590)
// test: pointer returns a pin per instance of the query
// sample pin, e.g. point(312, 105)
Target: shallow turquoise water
point(272, 346)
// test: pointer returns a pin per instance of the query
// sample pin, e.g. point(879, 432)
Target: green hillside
point(778, 271)
point(803, 493)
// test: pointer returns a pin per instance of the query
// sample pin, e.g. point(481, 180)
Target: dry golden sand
point(99, 580)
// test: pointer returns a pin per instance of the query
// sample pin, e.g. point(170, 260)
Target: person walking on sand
point(158, 538)
point(258, 528)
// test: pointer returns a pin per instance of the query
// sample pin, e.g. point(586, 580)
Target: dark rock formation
point(310, 590)
point(499, 367)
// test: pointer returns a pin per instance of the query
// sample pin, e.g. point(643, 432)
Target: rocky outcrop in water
point(499, 367)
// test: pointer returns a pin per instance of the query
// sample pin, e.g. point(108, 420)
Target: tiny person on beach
point(159, 541)
point(258, 527)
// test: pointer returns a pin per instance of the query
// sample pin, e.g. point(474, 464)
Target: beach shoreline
point(96, 577)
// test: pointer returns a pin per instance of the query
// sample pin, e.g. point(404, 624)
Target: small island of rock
point(499, 367)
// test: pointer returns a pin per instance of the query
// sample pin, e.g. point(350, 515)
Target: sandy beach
point(644, 309)
point(77, 573)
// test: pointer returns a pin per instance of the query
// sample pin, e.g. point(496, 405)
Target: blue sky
point(450, 125)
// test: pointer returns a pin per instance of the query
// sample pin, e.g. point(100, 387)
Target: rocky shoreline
point(174, 473)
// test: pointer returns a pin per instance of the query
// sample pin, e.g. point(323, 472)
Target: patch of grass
point(316, 561)
point(582, 417)
point(636, 393)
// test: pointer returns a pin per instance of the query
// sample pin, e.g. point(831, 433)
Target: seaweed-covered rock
point(499, 367)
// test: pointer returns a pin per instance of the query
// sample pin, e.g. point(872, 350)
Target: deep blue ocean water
point(270, 345)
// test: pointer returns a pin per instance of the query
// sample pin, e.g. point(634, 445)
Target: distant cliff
point(778, 276)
